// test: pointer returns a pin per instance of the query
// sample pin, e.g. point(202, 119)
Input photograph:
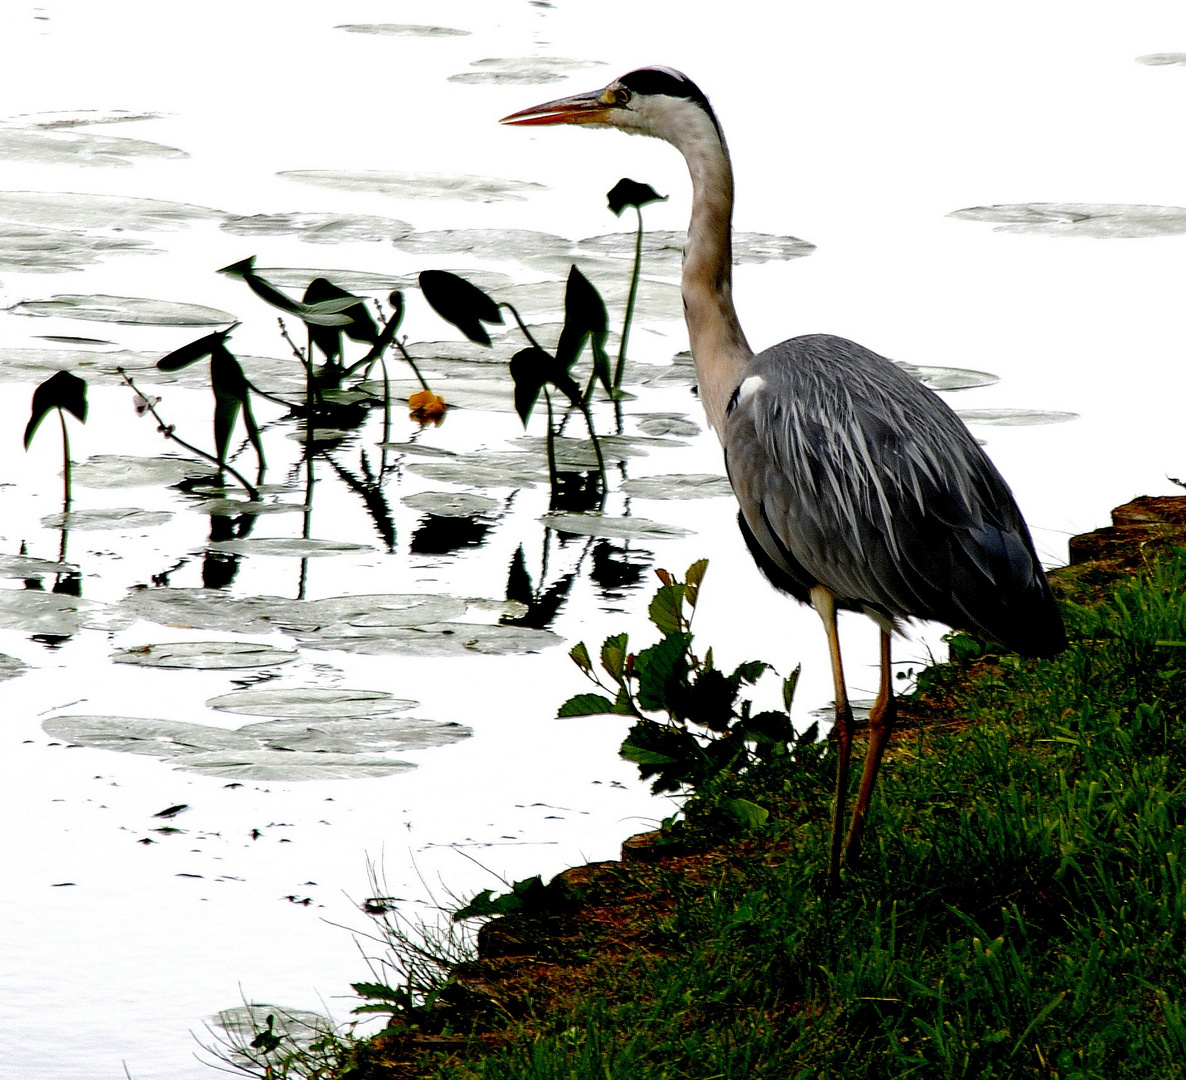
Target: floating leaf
point(450, 503)
point(354, 735)
point(1099, 220)
point(309, 703)
point(291, 766)
point(402, 30)
point(632, 193)
point(127, 310)
point(289, 547)
point(660, 424)
point(435, 639)
point(60, 391)
point(458, 302)
point(208, 655)
point(1015, 417)
point(593, 524)
point(947, 378)
point(120, 470)
point(115, 518)
point(143, 735)
point(11, 667)
point(678, 486)
point(408, 185)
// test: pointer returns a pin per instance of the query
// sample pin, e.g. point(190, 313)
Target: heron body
point(858, 487)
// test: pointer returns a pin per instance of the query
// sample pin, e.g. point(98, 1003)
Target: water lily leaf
point(948, 378)
point(291, 547)
point(120, 470)
point(409, 185)
point(22, 566)
point(678, 486)
point(436, 639)
point(143, 735)
point(235, 507)
point(127, 310)
point(292, 766)
point(310, 703)
point(522, 70)
point(60, 391)
point(206, 655)
point(325, 228)
point(1102, 221)
point(51, 614)
point(660, 424)
point(496, 470)
point(113, 518)
point(402, 30)
point(355, 735)
point(1015, 417)
point(451, 503)
point(621, 528)
point(1162, 59)
point(11, 667)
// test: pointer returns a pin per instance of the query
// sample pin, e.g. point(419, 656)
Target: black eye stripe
point(661, 81)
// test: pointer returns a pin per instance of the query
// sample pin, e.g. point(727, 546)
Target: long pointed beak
point(590, 108)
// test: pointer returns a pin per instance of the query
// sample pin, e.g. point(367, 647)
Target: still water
point(141, 150)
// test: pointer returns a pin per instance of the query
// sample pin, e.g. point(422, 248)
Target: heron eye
point(621, 96)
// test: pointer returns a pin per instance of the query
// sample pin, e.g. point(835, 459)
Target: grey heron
point(858, 487)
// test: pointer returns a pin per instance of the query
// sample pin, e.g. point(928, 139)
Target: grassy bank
point(1019, 909)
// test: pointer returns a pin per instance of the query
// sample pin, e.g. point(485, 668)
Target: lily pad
point(235, 507)
point(142, 735)
point(35, 611)
point(444, 639)
point(11, 667)
point(618, 528)
point(120, 471)
point(660, 424)
point(206, 655)
point(410, 185)
point(451, 503)
point(678, 486)
point(1015, 417)
point(290, 547)
point(22, 566)
point(497, 470)
point(291, 766)
point(1164, 59)
point(318, 228)
point(402, 30)
point(51, 145)
point(116, 518)
point(523, 70)
point(128, 310)
point(310, 703)
point(946, 378)
point(1103, 221)
point(354, 735)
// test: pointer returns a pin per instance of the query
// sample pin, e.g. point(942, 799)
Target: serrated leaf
point(580, 656)
point(631, 193)
point(61, 390)
point(194, 351)
point(613, 656)
point(750, 671)
point(378, 990)
point(458, 302)
point(660, 668)
point(692, 580)
point(666, 608)
point(642, 756)
point(586, 705)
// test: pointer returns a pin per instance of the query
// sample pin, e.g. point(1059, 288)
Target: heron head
point(658, 101)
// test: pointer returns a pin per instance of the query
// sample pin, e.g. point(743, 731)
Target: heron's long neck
point(719, 348)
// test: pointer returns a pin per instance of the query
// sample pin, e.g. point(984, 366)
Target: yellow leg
point(881, 723)
point(825, 605)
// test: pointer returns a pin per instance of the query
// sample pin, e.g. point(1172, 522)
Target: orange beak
point(590, 108)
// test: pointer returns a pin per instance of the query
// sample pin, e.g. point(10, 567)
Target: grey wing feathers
point(852, 475)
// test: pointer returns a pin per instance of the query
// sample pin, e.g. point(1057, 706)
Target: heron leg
point(825, 604)
point(881, 723)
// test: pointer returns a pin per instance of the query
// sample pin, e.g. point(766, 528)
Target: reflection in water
point(577, 492)
point(436, 535)
point(220, 567)
point(616, 569)
point(369, 488)
point(544, 604)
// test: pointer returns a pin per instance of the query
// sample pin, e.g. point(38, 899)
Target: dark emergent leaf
point(60, 391)
point(328, 312)
point(631, 193)
point(194, 351)
point(584, 317)
point(230, 394)
point(329, 338)
point(457, 301)
point(531, 369)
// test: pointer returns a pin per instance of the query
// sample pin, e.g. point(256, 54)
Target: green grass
point(1019, 909)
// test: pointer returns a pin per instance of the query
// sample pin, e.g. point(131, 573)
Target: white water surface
point(859, 127)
